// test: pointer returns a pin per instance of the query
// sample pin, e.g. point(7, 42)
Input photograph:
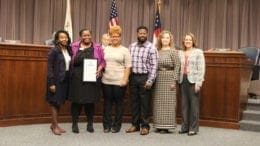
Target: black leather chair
point(253, 53)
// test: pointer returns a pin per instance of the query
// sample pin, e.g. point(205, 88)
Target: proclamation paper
point(90, 70)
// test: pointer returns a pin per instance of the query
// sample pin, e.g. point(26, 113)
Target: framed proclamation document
point(89, 70)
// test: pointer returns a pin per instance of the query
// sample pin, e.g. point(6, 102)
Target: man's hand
point(148, 85)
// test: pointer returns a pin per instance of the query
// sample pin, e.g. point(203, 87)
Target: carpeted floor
point(40, 135)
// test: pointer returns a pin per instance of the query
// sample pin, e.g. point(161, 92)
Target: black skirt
point(84, 92)
point(62, 89)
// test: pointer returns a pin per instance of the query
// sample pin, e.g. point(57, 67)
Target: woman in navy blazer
point(59, 59)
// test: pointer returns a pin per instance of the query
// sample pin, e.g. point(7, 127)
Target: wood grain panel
point(23, 69)
point(23, 85)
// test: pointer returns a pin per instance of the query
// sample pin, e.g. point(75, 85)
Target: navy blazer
point(56, 66)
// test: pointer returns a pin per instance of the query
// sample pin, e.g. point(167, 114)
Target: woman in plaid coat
point(164, 103)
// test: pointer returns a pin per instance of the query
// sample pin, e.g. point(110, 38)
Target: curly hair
point(115, 30)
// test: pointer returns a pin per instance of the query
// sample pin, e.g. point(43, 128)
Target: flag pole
point(68, 21)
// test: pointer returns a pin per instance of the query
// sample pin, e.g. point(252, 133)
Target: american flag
point(113, 20)
point(157, 26)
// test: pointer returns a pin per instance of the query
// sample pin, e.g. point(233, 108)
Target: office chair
point(253, 53)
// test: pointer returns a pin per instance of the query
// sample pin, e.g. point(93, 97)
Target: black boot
point(75, 112)
point(75, 128)
point(89, 110)
point(90, 128)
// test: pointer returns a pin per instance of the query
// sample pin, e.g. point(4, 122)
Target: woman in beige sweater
point(115, 80)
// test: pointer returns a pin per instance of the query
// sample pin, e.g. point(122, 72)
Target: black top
point(83, 92)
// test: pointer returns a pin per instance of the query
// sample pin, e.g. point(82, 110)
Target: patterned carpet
point(40, 135)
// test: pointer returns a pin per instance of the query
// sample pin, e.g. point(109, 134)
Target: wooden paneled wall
point(23, 69)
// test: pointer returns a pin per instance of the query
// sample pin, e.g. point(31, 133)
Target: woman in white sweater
point(115, 80)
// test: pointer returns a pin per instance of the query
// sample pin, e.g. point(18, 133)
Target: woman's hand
point(53, 88)
point(123, 82)
point(98, 74)
point(172, 86)
point(99, 71)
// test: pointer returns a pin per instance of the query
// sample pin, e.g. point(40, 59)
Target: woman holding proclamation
point(85, 92)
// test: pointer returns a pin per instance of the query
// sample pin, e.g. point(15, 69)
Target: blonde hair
point(115, 30)
point(194, 41)
point(159, 41)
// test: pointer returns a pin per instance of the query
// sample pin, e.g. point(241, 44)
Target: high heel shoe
point(157, 130)
point(183, 132)
point(55, 130)
point(164, 131)
point(52, 126)
point(61, 130)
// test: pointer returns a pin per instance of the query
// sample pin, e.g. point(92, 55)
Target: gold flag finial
point(159, 5)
